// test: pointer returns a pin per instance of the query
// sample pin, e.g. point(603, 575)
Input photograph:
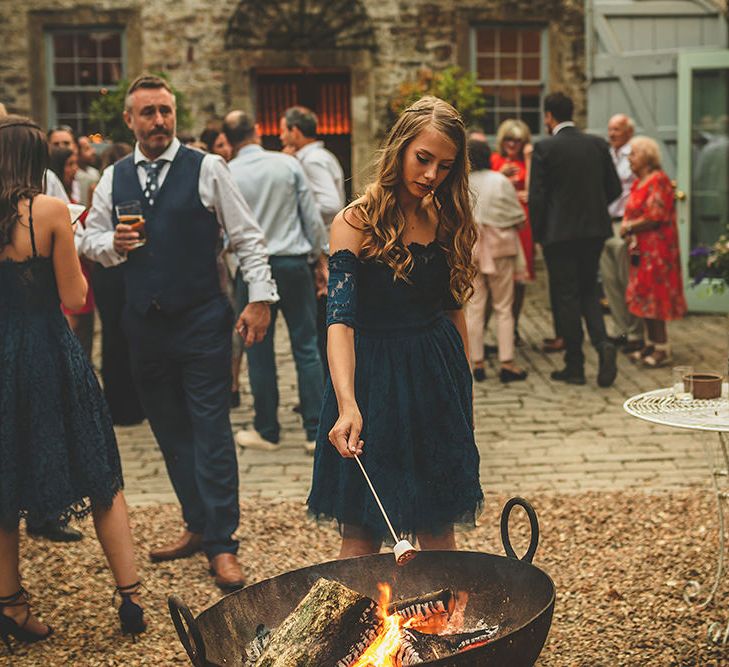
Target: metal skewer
point(404, 551)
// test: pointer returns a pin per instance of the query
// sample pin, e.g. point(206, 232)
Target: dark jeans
point(181, 364)
point(573, 267)
point(298, 305)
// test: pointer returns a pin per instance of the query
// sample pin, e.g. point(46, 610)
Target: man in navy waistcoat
point(177, 318)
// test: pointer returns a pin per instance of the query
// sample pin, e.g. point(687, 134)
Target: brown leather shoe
point(553, 345)
point(226, 570)
point(188, 544)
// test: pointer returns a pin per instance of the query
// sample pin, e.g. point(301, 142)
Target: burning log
point(334, 621)
point(330, 622)
point(418, 647)
point(427, 613)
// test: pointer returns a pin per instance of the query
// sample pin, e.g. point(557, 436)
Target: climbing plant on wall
point(105, 112)
point(453, 85)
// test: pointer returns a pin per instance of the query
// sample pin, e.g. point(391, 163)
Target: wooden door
point(632, 61)
point(327, 93)
point(703, 169)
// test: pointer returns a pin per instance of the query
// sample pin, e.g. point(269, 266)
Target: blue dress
point(413, 387)
point(57, 444)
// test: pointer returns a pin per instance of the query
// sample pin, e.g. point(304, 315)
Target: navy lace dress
point(413, 388)
point(57, 444)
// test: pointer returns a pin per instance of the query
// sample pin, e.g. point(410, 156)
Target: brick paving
point(533, 435)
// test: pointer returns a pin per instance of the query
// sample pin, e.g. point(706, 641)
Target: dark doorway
point(326, 92)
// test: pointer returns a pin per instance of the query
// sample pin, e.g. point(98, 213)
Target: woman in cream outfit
point(497, 254)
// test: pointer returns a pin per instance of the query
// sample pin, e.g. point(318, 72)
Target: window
point(509, 63)
point(80, 64)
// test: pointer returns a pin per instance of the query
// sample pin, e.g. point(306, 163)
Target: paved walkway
point(532, 435)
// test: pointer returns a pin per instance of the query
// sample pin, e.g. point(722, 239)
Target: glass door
point(702, 193)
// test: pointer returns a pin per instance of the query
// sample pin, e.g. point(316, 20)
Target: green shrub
point(456, 87)
point(106, 111)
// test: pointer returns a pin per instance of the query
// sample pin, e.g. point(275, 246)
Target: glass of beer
point(130, 213)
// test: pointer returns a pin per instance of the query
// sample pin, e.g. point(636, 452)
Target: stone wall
point(186, 38)
point(386, 43)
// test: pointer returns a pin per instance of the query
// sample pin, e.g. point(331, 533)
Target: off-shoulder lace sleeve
point(342, 288)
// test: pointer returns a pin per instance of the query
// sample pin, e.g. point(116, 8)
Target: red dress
point(518, 180)
point(655, 287)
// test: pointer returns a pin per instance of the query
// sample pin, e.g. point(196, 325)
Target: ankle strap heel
point(9, 627)
point(131, 615)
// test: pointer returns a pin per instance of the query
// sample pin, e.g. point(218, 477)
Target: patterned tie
point(151, 185)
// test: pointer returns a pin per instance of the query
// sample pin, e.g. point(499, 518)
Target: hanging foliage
point(456, 87)
point(105, 112)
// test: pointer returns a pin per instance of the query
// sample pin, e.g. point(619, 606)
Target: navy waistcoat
point(176, 269)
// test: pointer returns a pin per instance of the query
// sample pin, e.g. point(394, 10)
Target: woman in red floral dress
point(655, 287)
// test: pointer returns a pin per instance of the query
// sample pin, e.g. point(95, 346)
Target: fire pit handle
point(195, 648)
point(534, 541)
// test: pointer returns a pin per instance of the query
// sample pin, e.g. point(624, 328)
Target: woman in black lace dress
point(58, 454)
point(400, 392)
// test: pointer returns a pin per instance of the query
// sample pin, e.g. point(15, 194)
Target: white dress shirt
point(325, 177)
point(626, 175)
point(278, 191)
point(218, 193)
point(562, 125)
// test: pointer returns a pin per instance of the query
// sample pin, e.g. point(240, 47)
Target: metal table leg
point(718, 632)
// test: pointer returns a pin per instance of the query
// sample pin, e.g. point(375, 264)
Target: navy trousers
point(572, 267)
point(181, 365)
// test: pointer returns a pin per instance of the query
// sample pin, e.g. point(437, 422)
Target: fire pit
point(511, 594)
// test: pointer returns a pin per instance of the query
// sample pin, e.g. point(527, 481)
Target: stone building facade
point(217, 53)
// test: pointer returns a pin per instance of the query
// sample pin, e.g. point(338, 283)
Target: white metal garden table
point(662, 407)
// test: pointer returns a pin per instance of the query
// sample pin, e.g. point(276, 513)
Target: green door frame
point(700, 298)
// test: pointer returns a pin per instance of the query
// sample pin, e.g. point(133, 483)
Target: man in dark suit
point(572, 181)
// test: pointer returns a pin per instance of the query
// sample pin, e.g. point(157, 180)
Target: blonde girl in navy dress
point(400, 393)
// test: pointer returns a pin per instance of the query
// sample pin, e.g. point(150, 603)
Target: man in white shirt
point(627, 328)
point(277, 190)
point(326, 178)
point(177, 318)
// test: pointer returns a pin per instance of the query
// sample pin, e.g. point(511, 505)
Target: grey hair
point(303, 118)
point(149, 82)
point(649, 148)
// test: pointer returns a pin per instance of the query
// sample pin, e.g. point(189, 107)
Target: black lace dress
point(413, 387)
point(57, 444)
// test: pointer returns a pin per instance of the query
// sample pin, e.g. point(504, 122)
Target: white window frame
point(52, 88)
point(498, 83)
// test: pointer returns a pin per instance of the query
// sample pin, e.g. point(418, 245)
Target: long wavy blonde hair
point(382, 219)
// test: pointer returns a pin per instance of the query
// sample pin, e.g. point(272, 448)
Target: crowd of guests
point(606, 221)
point(399, 284)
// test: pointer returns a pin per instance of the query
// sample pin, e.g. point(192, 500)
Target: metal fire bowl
point(507, 591)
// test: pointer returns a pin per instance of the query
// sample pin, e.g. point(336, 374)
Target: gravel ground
point(619, 561)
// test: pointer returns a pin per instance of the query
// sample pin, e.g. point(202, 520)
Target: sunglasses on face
point(512, 139)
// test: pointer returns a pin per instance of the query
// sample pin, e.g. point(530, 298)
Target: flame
point(382, 650)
